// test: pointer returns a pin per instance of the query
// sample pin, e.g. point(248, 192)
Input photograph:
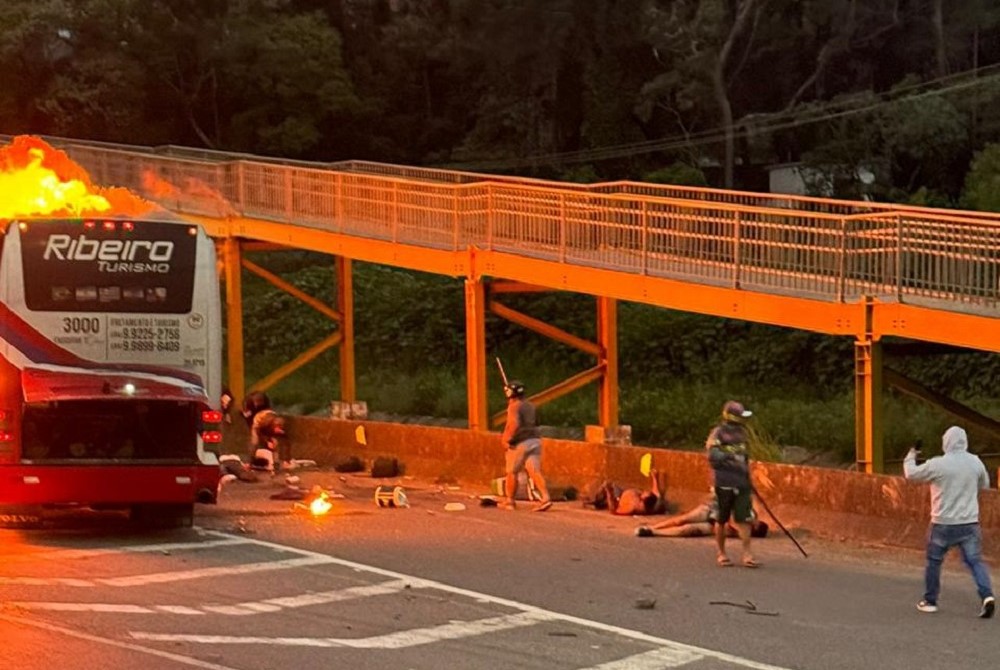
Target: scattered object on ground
point(454, 507)
point(241, 527)
point(230, 464)
point(290, 493)
point(298, 464)
point(562, 633)
point(391, 497)
point(646, 464)
point(317, 502)
point(487, 501)
point(645, 603)
point(350, 464)
point(748, 606)
point(385, 467)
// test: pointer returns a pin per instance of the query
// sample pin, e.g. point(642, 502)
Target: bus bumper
point(107, 485)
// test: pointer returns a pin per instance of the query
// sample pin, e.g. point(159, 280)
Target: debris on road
point(454, 507)
point(645, 603)
point(394, 497)
point(747, 606)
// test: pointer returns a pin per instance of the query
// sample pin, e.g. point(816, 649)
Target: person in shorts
point(522, 441)
point(728, 455)
point(698, 522)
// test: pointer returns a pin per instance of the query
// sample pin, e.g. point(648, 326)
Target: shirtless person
point(633, 502)
point(698, 522)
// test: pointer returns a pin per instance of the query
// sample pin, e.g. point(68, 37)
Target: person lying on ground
point(634, 502)
point(698, 522)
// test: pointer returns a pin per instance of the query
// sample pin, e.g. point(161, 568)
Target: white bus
point(110, 367)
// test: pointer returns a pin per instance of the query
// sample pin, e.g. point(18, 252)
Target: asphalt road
point(260, 584)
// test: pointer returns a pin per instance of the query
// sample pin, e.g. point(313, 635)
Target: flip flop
point(750, 563)
point(544, 506)
point(723, 561)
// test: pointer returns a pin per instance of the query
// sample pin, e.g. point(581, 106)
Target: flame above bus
point(37, 180)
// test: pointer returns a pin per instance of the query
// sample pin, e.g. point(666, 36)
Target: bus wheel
point(163, 515)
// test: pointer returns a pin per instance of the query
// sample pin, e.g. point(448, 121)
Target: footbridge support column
point(607, 339)
point(868, 442)
point(233, 262)
point(345, 305)
point(475, 354)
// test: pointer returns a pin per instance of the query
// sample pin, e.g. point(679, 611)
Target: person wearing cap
point(730, 461)
point(522, 441)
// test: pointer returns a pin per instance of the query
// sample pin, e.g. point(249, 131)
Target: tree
point(982, 183)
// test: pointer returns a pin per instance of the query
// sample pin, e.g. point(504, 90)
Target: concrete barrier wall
point(837, 504)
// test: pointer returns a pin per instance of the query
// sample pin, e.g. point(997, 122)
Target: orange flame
point(39, 180)
point(320, 505)
point(192, 191)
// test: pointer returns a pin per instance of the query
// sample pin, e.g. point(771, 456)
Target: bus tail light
point(211, 436)
point(211, 416)
point(6, 436)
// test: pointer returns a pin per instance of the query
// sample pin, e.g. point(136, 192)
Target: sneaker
point(989, 606)
point(644, 531)
point(930, 608)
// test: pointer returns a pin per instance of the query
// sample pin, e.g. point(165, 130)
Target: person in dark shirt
point(522, 441)
point(730, 461)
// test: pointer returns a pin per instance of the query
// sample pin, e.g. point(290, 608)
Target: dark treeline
point(900, 92)
point(887, 99)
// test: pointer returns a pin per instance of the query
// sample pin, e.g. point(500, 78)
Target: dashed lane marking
point(658, 659)
point(161, 577)
point(73, 554)
point(453, 630)
point(239, 609)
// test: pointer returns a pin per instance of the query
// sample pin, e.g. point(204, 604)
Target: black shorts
point(734, 503)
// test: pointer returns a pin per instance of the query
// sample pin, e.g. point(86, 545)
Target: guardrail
point(947, 260)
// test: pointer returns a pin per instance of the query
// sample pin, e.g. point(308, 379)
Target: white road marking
point(186, 660)
point(240, 609)
point(72, 554)
point(219, 571)
point(161, 577)
point(400, 640)
point(657, 659)
point(662, 644)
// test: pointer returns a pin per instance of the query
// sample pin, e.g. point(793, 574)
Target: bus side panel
point(10, 388)
point(106, 484)
point(10, 411)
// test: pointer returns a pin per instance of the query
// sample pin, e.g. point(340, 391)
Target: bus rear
point(110, 366)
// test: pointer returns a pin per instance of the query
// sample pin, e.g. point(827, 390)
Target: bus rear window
point(110, 431)
point(108, 266)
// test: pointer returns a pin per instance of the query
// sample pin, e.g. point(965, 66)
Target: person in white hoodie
point(956, 478)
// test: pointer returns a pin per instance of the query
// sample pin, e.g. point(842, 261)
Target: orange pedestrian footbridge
point(859, 269)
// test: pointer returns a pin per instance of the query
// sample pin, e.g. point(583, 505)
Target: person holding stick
point(730, 461)
point(523, 444)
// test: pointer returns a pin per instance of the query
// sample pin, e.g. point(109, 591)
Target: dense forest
point(891, 100)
